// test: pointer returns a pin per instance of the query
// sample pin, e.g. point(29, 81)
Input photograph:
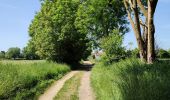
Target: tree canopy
point(99, 18)
point(13, 53)
point(65, 30)
point(54, 33)
point(2, 54)
point(29, 52)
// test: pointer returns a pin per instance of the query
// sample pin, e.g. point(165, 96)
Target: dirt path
point(55, 88)
point(85, 90)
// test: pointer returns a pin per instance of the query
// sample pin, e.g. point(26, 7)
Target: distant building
point(97, 54)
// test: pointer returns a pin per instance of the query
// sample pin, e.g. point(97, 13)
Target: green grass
point(21, 61)
point(132, 80)
point(70, 88)
point(25, 80)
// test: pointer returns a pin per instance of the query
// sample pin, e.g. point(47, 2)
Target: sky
point(16, 16)
point(162, 24)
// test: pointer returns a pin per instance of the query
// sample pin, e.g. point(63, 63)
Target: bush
point(26, 80)
point(131, 80)
point(163, 54)
point(112, 46)
point(2, 55)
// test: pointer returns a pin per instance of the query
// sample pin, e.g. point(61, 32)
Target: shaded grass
point(70, 88)
point(28, 80)
point(132, 80)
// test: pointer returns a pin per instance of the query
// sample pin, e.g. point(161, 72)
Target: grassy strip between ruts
point(70, 88)
point(132, 80)
point(26, 81)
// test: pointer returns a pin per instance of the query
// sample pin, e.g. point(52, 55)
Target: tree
point(13, 53)
point(138, 10)
point(2, 54)
point(55, 35)
point(169, 51)
point(29, 52)
point(99, 18)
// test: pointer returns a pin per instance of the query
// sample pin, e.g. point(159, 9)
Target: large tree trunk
point(151, 31)
point(145, 37)
point(146, 43)
point(139, 39)
point(136, 27)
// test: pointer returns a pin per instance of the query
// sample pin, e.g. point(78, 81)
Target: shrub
point(112, 46)
point(135, 53)
point(2, 55)
point(163, 54)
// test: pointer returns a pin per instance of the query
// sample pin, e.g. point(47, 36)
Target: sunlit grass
point(26, 80)
point(132, 80)
point(21, 61)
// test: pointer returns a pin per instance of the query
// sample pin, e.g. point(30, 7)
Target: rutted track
point(55, 88)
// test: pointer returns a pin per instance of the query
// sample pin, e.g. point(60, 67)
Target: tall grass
point(28, 80)
point(132, 80)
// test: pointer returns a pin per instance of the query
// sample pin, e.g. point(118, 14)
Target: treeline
point(117, 52)
point(160, 53)
point(67, 30)
point(16, 53)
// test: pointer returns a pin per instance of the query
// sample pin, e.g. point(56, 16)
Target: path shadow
point(86, 66)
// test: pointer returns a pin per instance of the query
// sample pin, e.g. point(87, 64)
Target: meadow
point(131, 80)
point(23, 80)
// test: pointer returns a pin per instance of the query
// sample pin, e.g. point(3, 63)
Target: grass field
point(70, 89)
point(23, 80)
point(132, 80)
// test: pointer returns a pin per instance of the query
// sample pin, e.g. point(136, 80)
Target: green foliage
point(163, 54)
point(169, 51)
point(132, 53)
point(27, 80)
point(13, 53)
point(112, 46)
point(132, 80)
point(99, 18)
point(54, 33)
point(135, 53)
point(29, 52)
point(2, 55)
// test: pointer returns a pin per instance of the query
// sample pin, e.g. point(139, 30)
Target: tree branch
point(142, 23)
point(129, 15)
point(141, 6)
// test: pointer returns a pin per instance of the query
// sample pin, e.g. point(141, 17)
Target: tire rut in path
point(55, 88)
point(85, 90)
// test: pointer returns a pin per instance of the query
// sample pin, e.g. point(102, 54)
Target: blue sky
point(162, 24)
point(16, 15)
